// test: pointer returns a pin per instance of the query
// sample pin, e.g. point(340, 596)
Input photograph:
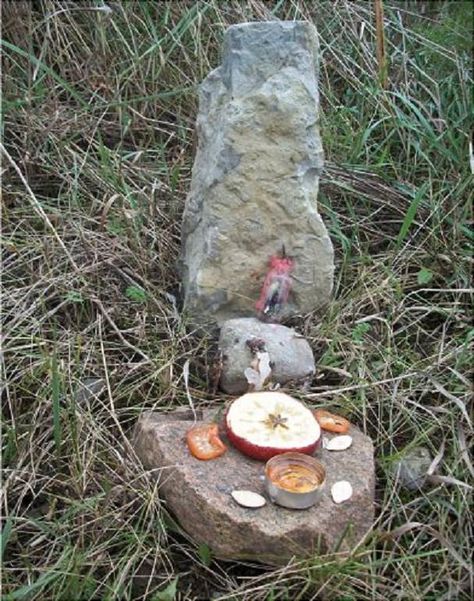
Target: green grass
point(98, 123)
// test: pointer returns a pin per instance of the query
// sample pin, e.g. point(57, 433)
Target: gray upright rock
point(255, 178)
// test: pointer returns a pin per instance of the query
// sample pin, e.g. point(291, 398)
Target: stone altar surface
point(198, 494)
point(255, 177)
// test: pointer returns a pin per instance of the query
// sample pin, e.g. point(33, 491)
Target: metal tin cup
point(294, 480)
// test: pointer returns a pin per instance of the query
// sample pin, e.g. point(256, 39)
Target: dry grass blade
point(37, 207)
point(381, 52)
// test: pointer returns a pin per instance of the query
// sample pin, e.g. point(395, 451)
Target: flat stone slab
point(198, 494)
point(290, 355)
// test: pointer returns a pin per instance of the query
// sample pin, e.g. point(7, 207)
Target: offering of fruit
point(331, 422)
point(264, 424)
point(204, 442)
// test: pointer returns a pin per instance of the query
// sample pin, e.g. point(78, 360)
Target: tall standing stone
point(255, 177)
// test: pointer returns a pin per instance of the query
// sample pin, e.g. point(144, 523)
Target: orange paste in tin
point(294, 477)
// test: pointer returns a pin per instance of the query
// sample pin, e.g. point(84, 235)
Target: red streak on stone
point(276, 286)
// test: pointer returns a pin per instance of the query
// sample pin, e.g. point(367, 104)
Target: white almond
point(247, 498)
point(341, 491)
point(338, 443)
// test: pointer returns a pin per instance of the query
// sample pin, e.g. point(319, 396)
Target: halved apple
point(264, 424)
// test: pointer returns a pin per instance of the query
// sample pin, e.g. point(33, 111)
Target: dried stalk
point(380, 40)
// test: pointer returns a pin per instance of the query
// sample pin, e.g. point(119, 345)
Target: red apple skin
point(265, 453)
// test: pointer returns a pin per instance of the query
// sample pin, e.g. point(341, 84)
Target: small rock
point(411, 470)
point(291, 357)
point(89, 388)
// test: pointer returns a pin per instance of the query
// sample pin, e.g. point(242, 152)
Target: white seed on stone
point(341, 491)
point(338, 443)
point(249, 499)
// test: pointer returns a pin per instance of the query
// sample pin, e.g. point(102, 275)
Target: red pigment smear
point(276, 286)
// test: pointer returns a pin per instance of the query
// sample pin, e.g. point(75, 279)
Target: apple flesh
point(264, 424)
